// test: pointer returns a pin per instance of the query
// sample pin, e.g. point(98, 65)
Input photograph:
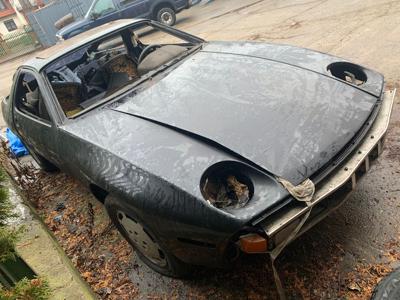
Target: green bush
point(25, 289)
point(8, 239)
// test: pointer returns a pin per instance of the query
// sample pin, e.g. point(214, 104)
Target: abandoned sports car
point(200, 151)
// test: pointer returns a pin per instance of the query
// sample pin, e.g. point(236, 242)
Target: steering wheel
point(146, 50)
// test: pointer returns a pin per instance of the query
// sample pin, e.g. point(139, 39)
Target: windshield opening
point(84, 77)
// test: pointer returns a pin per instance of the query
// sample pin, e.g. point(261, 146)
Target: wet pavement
point(344, 255)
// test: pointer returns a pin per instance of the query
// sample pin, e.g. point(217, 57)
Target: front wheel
point(166, 16)
point(145, 243)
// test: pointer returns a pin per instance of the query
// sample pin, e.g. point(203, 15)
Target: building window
point(2, 5)
point(10, 25)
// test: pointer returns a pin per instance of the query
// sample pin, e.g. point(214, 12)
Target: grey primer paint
point(272, 110)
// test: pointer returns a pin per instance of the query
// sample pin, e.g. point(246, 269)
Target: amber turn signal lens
point(253, 243)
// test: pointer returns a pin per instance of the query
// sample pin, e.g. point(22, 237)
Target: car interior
point(83, 78)
point(29, 97)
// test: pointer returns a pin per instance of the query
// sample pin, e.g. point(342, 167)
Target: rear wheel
point(166, 16)
point(145, 243)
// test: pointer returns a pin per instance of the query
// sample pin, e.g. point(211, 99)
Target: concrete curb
point(41, 251)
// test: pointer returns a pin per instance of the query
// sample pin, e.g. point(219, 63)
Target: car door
point(134, 8)
point(31, 117)
point(104, 11)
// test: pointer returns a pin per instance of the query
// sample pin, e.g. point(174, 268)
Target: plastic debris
point(57, 219)
point(16, 146)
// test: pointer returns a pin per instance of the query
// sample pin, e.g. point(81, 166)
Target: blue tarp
point(16, 146)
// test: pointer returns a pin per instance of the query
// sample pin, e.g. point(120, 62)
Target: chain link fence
point(18, 43)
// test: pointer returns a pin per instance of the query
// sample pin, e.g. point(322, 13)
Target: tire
point(388, 288)
point(144, 241)
point(166, 16)
point(43, 163)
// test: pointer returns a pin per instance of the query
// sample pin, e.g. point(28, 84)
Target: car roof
point(48, 55)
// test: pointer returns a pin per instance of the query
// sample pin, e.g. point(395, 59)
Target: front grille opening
point(197, 243)
point(362, 169)
point(321, 209)
point(349, 72)
point(339, 195)
point(318, 212)
point(374, 153)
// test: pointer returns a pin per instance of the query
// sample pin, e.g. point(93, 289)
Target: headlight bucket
point(227, 185)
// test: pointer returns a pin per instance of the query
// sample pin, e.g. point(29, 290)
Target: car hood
point(282, 112)
point(65, 31)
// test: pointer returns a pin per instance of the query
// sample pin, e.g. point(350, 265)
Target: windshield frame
point(196, 41)
point(132, 87)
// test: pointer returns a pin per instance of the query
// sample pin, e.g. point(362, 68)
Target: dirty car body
point(166, 145)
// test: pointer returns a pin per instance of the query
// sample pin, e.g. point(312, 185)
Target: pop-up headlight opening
point(226, 185)
point(349, 72)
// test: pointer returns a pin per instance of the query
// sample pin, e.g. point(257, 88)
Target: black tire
point(166, 16)
point(388, 288)
point(173, 267)
point(43, 163)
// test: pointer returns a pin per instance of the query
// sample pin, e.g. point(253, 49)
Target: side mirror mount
point(94, 16)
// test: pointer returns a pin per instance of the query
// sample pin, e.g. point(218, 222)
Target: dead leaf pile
point(87, 236)
point(82, 228)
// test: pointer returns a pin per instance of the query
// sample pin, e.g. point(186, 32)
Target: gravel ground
point(345, 255)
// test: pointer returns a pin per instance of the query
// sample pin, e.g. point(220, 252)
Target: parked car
point(104, 11)
point(200, 150)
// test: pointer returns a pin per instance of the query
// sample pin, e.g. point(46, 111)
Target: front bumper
point(335, 189)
